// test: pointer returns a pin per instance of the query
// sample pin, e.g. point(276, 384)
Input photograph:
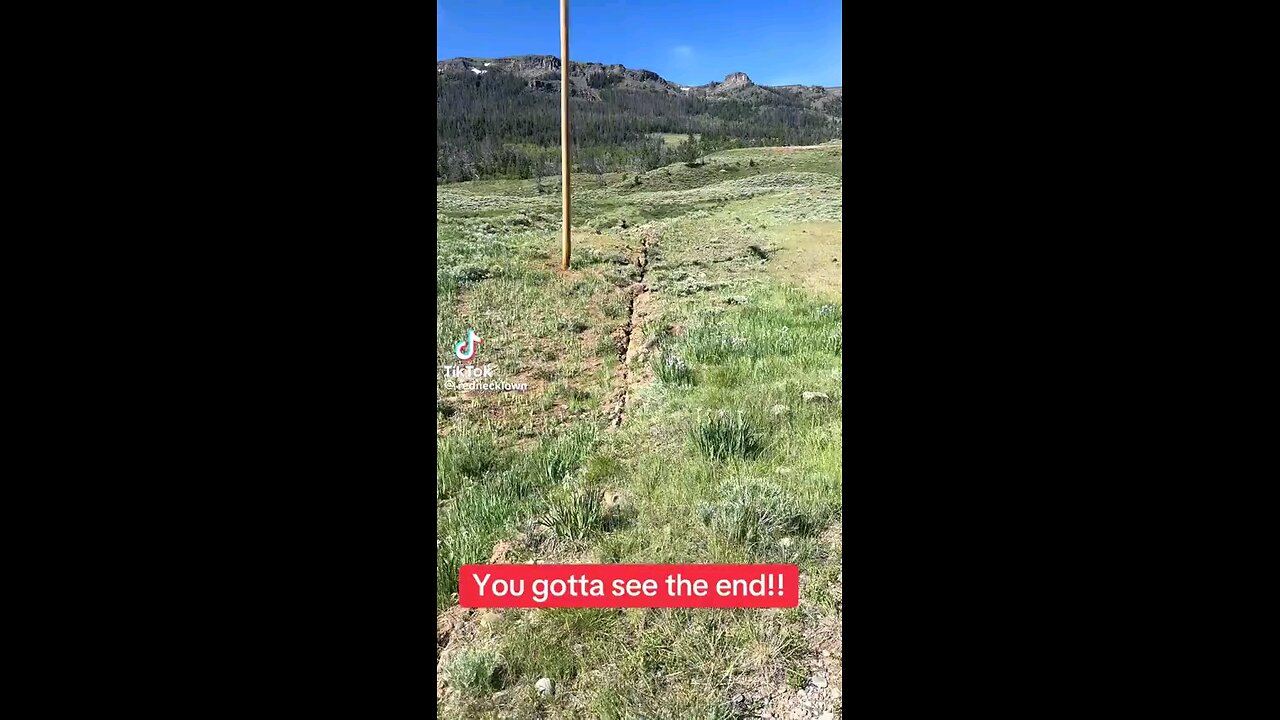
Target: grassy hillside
point(683, 405)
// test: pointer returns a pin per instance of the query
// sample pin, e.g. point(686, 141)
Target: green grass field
point(683, 405)
point(675, 140)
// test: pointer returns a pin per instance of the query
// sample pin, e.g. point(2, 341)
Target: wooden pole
point(565, 140)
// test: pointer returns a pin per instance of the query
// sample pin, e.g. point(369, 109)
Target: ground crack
point(630, 346)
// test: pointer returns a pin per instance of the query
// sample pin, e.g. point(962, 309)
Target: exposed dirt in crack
point(631, 343)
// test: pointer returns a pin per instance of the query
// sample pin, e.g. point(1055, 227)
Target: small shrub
point(469, 274)
point(756, 513)
point(444, 409)
point(475, 672)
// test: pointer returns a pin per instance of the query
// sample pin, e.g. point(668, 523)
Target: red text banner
point(629, 586)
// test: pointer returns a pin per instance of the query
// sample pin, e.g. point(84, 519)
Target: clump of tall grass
point(461, 546)
point(461, 276)
point(672, 370)
point(574, 514)
point(727, 435)
point(711, 343)
point(489, 491)
point(464, 456)
point(469, 453)
point(561, 456)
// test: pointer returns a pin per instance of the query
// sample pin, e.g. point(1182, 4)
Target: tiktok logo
point(469, 344)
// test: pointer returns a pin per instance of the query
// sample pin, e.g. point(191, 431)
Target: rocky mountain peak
point(736, 80)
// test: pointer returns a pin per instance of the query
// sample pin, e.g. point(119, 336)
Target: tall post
point(565, 140)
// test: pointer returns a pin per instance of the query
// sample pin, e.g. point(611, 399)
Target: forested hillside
point(501, 118)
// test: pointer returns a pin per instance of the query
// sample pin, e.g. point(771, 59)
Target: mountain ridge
point(585, 76)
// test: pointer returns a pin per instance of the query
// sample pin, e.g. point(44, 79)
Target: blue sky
point(691, 42)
